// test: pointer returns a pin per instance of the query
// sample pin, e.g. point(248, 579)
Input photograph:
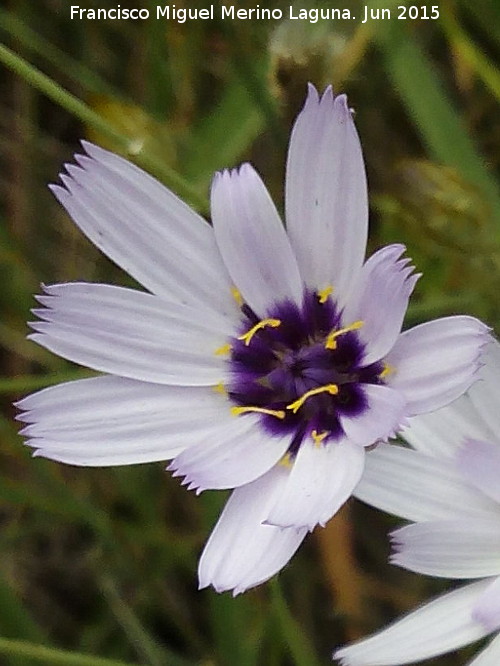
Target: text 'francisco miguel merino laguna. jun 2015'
point(235, 13)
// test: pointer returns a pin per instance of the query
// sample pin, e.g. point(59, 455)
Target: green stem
point(76, 107)
point(46, 655)
point(34, 382)
point(300, 649)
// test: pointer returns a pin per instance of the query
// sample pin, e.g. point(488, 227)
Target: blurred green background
point(99, 565)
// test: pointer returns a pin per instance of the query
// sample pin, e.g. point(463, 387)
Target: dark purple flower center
point(300, 369)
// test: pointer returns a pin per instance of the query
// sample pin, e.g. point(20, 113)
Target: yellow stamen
point(318, 437)
point(286, 460)
point(332, 389)
point(331, 342)
point(324, 293)
point(278, 413)
point(220, 388)
point(237, 296)
point(222, 351)
point(388, 369)
point(247, 337)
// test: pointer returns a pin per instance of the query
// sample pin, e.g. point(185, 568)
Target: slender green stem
point(145, 645)
point(34, 382)
point(300, 649)
point(51, 656)
point(474, 56)
point(76, 107)
point(23, 35)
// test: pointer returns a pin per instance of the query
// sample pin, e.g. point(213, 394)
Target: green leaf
point(296, 641)
point(434, 115)
point(52, 656)
point(75, 106)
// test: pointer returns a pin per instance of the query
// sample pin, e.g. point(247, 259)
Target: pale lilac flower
point(450, 488)
point(261, 360)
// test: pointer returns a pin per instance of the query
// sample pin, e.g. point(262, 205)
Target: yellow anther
point(220, 388)
point(247, 337)
point(388, 369)
point(278, 413)
point(332, 389)
point(324, 293)
point(318, 437)
point(331, 342)
point(286, 460)
point(222, 351)
point(237, 296)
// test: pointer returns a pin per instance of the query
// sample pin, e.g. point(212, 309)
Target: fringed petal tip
point(186, 480)
point(221, 589)
point(337, 655)
point(338, 103)
point(445, 622)
point(436, 362)
point(395, 541)
point(242, 552)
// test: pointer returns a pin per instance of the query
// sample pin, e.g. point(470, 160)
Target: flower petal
point(132, 334)
point(326, 194)
point(479, 462)
point(434, 363)
point(443, 432)
point(440, 626)
point(485, 394)
point(419, 487)
point(383, 416)
point(242, 552)
point(145, 229)
point(116, 421)
point(490, 656)
point(379, 299)
point(451, 549)
point(253, 241)
point(487, 609)
point(321, 480)
point(241, 452)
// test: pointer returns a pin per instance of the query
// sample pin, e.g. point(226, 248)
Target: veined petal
point(381, 419)
point(487, 608)
point(241, 452)
point(461, 548)
point(443, 432)
point(145, 229)
point(242, 552)
point(321, 480)
point(380, 300)
point(115, 421)
point(434, 363)
point(131, 334)
point(440, 626)
point(490, 656)
point(419, 487)
point(326, 194)
point(479, 462)
point(253, 241)
point(485, 394)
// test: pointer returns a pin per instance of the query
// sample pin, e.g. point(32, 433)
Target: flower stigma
point(332, 389)
point(318, 437)
point(247, 337)
point(331, 340)
point(278, 413)
point(325, 293)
